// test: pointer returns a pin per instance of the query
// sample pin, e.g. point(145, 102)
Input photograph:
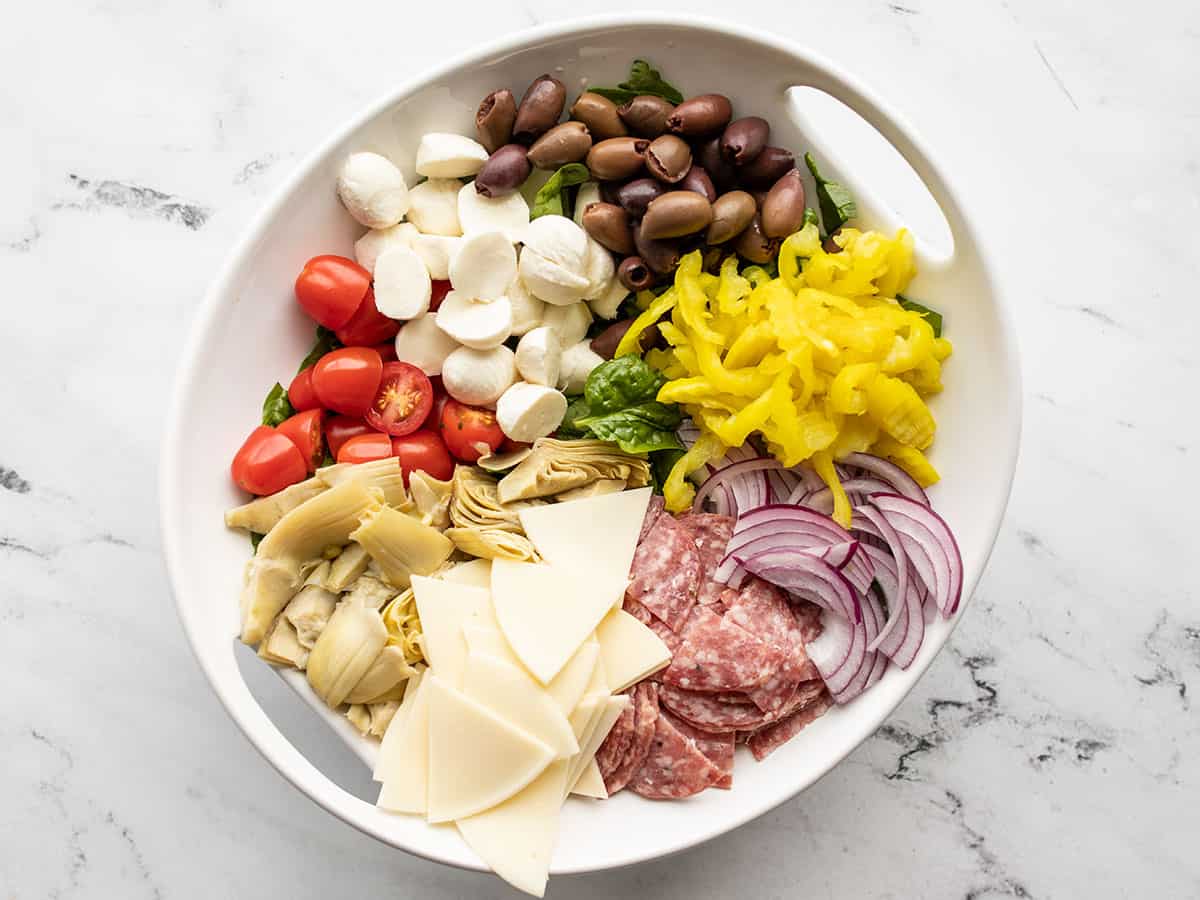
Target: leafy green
point(577, 409)
point(277, 407)
point(661, 463)
point(326, 341)
point(810, 217)
point(618, 405)
point(643, 79)
point(621, 382)
point(549, 201)
point(933, 317)
point(837, 206)
point(638, 429)
point(255, 540)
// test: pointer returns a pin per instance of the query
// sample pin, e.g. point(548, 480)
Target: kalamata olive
point(732, 212)
point(606, 342)
point(616, 158)
point(609, 224)
point(540, 108)
point(754, 245)
point(760, 197)
point(599, 114)
point(700, 115)
point(504, 172)
point(783, 210)
point(744, 139)
point(719, 169)
point(634, 196)
point(668, 158)
point(675, 214)
point(608, 191)
point(829, 245)
point(766, 168)
point(662, 257)
point(494, 119)
point(634, 274)
point(697, 180)
point(646, 115)
point(562, 144)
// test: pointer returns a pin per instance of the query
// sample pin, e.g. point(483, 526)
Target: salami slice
point(645, 706)
point(666, 572)
point(665, 634)
point(717, 747)
point(719, 655)
point(711, 534)
point(808, 617)
point(617, 742)
point(767, 740)
point(761, 609)
point(653, 511)
point(709, 713)
point(674, 768)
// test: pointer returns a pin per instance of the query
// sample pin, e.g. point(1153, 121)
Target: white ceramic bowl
point(251, 333)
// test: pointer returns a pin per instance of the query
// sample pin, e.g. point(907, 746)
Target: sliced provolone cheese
point(476, 758)
point(513, 694)
point(443, 606)
point(403, 765)
point(629, 650)
point(475, 572)
point(610, 709)
point(516, 838)
point(591, 782)
point(389, 747)
point(546, 612)
point(572, 680)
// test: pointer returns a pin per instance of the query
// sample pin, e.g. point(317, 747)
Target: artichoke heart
point(475, 503)
point(493, 543)
point(556, 466)
point(282, 646)
point(431, 499)
point(345, 651)
point(263, 513)
point(403, 626)
point(346, 567)
point(400, 545)
point(309, 613)
point(371, 590)
point(360, 718)
point(381, 474)
point(384, 680)
point(597, 488)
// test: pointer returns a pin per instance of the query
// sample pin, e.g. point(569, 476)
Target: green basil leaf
point(639, 429)
point(577, 409)
point(277, 407)
point(621, 382)
point(326, 341)
point(810, 217)
point(549, 200)
point(255, 540)
point(933, 317)
point(643, 79)
point(837, 206)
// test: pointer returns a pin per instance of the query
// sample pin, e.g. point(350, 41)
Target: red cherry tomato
point(347, 379)
point(387, 350)
point(440, 289)
point(300, 392)
point(331, 288)
point(365, 448)
point(468, 430)
point(339, 429)
point(267, 462)
point(423, 451)
point(403, 401)
point(368, 325)
point(304, 429)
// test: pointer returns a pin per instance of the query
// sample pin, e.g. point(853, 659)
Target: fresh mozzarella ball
point(526, 412)
point(589, 193)
point(434, 207)
point(609, 303)
point(479, 377)
point(442, 155)
point(373, 190)
point(578, 361)
point(402, 286)
point(436, 251)
point(559, 240)
point(485, 265)
point(368, 248)
point(508, 215)
point(599, 269)
point(571, 322)
point(423, 344)
point(527, 309)
point(549, 281)
point(539, 356)
point(481, 324)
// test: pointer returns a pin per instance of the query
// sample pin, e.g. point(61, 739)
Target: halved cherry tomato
point(387, 350)
point(423, 451)
point(300, 392)
point(267, 462)
point(440, 288)
point(368, 325)
point(365, 448)
point(339, 429)
point(331, 288)
point(347, 379)
point(304, 429)
point(469, 430)
point(403, 401)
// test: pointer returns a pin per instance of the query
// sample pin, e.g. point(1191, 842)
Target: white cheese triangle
point(475, 572)
point(511, 693)
point(591, 782)
point(572, 680)
point(610, 709)
point(629, 650)
point(476, 758)
point(403, 765)
point(443, 606)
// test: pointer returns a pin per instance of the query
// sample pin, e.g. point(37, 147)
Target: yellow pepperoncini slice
point(847, 391)
point(899, 410)
point(822, 464)
point(658, 307)
point(677, 492)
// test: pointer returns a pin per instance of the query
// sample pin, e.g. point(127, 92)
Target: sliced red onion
point(906, 638)
point(776, 525)
point(781, 482)
point(807, 576)
point(744, 478)
point(688, 433)
point(722, 501)
point(839, 652)
point(896, 546)
point(880, 661)
point(822, 500)
point(902, 483)
point(924, 533)
point(837, 555)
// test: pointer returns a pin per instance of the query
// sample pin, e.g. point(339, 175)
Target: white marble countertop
point(1052, 751)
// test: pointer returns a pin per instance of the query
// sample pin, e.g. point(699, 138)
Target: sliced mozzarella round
point(549, 281)
point(437, 251)
point(527, 412)
point(527, 309)
point(368, 247)
point(402, 286)
point(559, 240)
point(479, 377)
point(442, 155)
point(578, 360)
point(481, 324)
point(589, 193)
point(571, 322)
point(485, 265)
point(608, 304)
point(599, 269)
point(373, 190)
point(508, 215)
point(423, 344)
point(539, 356)
point(433, 207)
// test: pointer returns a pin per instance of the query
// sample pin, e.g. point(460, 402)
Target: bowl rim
point(186, 374)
